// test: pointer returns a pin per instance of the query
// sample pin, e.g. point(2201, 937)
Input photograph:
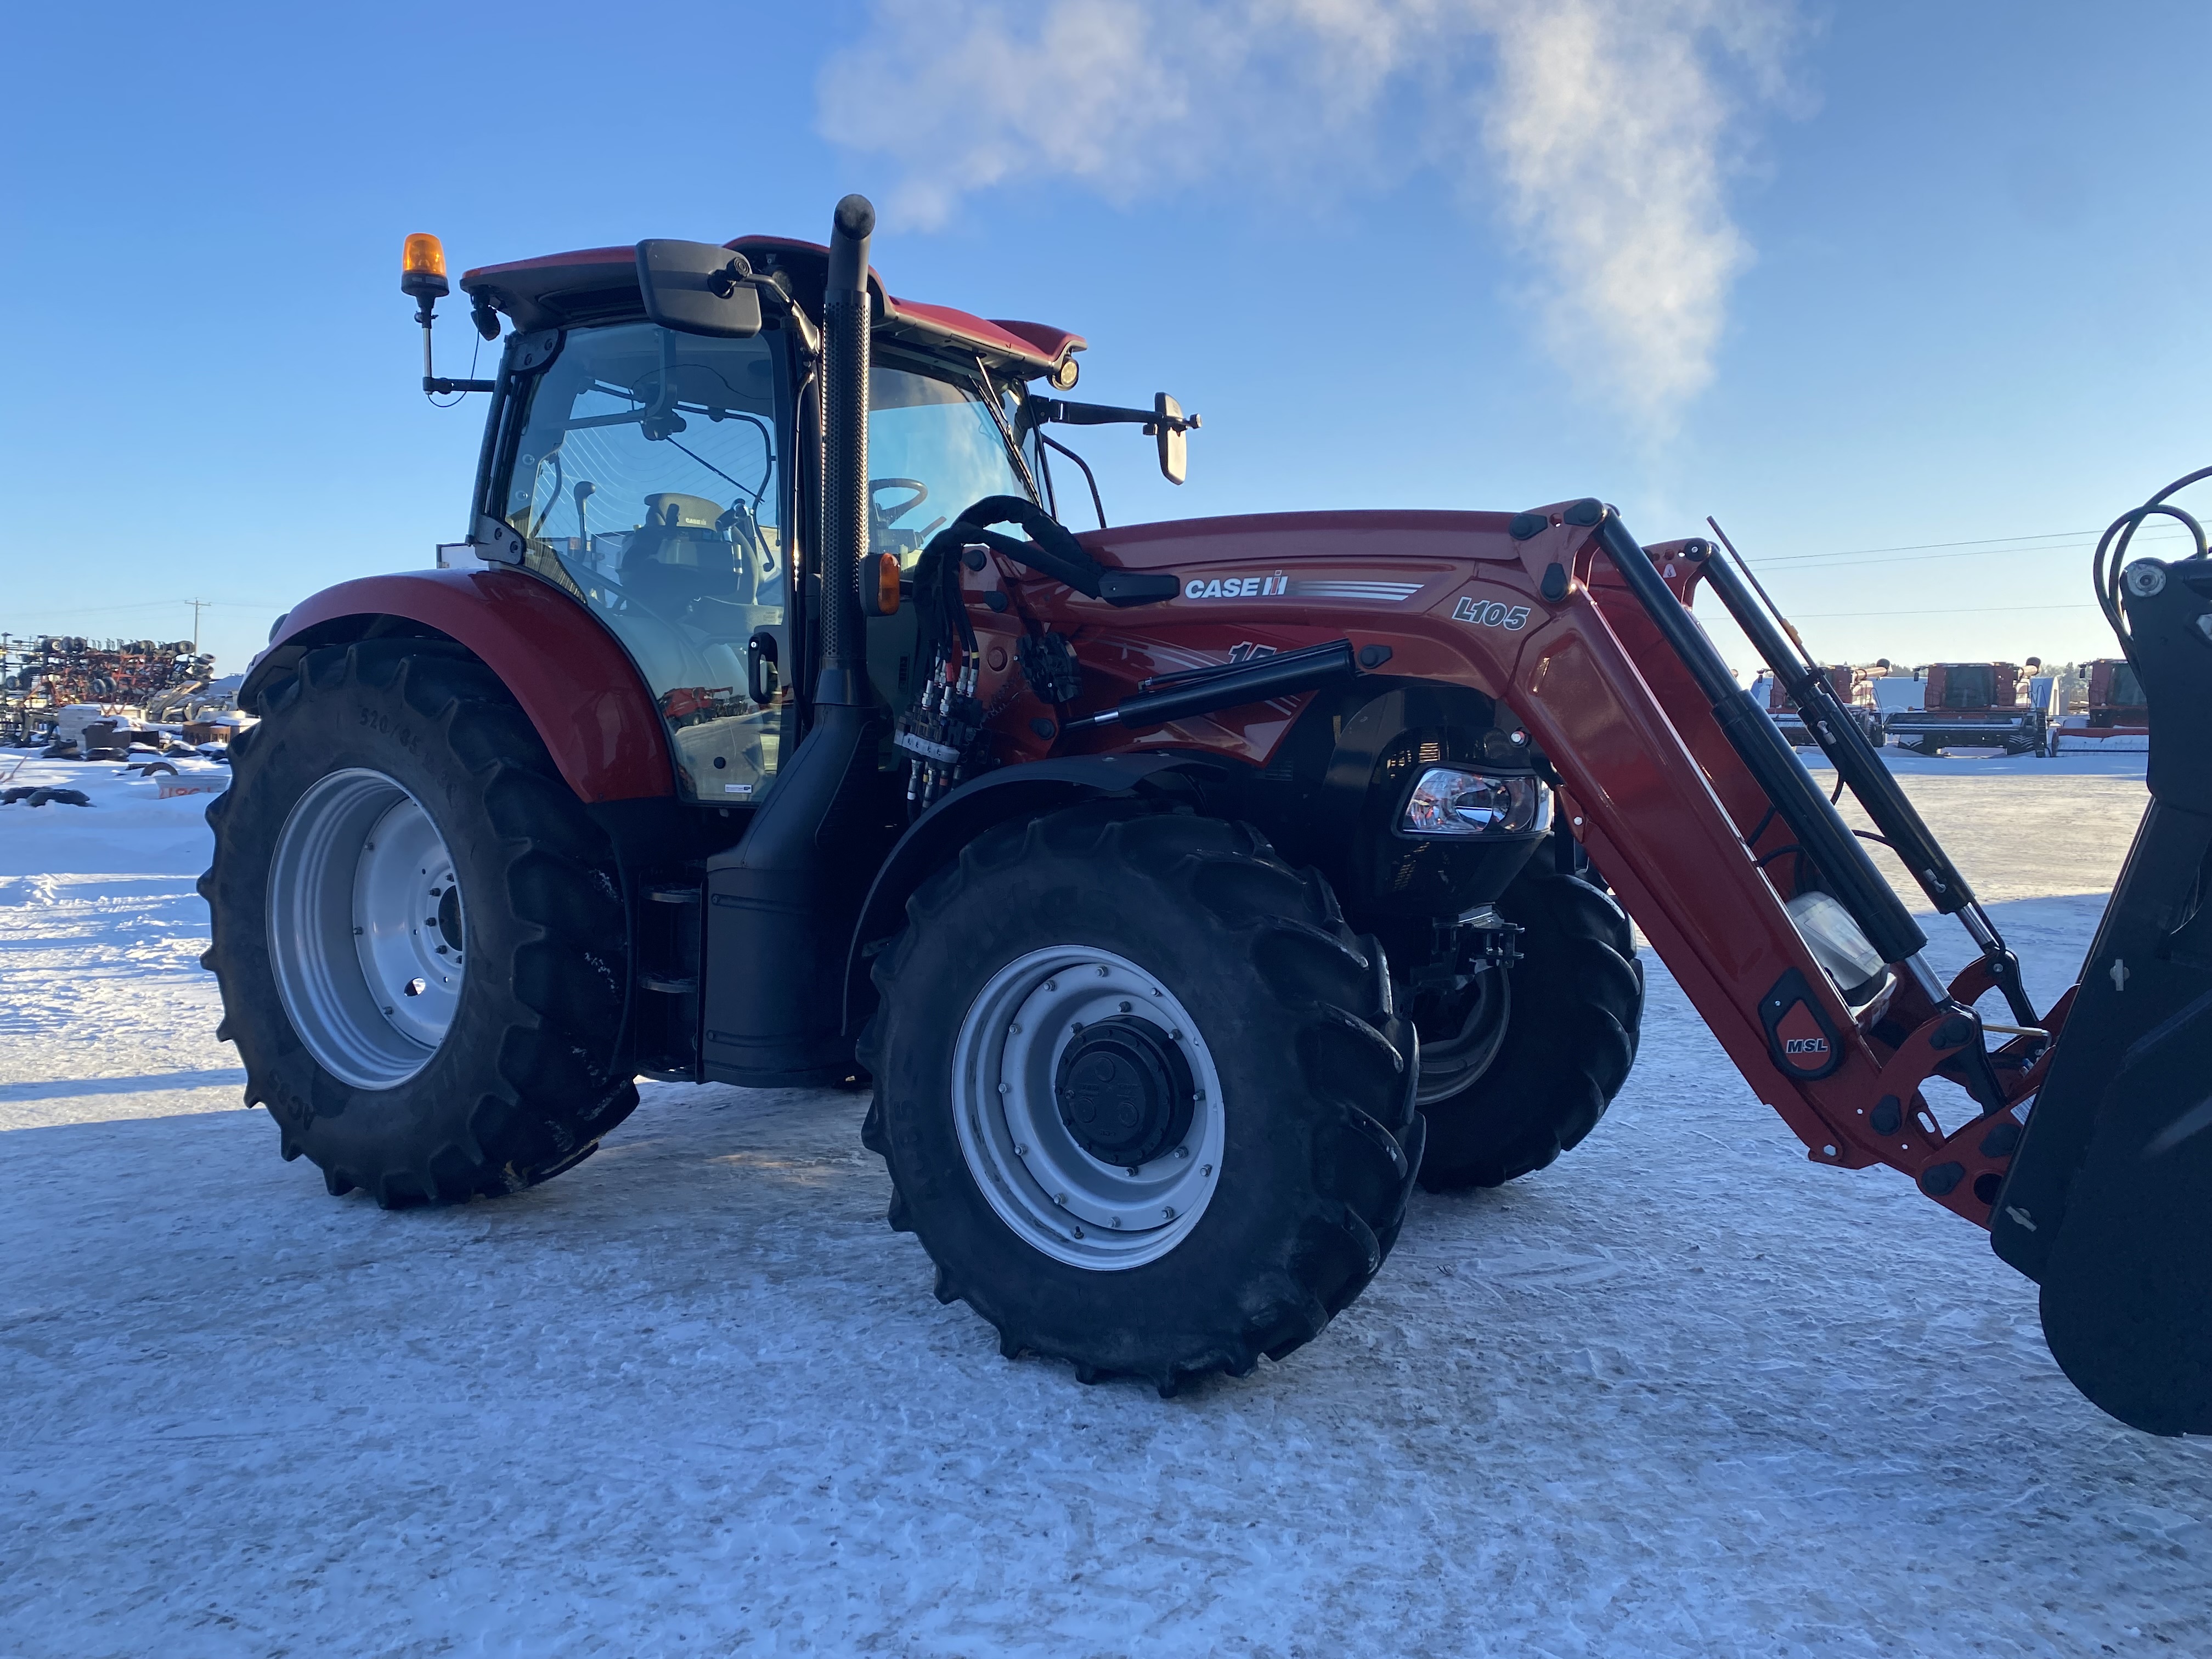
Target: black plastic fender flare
point(1021, 791)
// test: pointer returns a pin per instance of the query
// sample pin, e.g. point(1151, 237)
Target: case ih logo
point(1236, 587)
point(1493, 615)
point(1805, 1046)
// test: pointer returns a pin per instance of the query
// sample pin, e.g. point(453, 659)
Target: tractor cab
point(665, 476)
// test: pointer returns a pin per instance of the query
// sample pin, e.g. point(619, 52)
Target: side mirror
point(695, 287)
point(1169, 426)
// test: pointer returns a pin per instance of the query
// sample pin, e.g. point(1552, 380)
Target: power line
point(1945, 611)
point(1986, 549)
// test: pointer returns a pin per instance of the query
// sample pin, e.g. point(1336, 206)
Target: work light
point(1449, 800)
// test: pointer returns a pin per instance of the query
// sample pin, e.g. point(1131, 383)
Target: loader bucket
point(2108, 1203)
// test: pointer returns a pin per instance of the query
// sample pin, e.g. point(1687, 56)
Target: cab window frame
point(792, 370)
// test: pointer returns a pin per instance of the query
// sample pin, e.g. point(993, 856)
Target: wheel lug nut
point(1102, 971)
point(1168, 1211)
point(1005, 1088)
point(1183, 1151)
point(1125, 1006)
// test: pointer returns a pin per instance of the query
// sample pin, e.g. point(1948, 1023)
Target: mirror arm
point(1068, 414)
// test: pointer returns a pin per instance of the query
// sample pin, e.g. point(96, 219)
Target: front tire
point(1142, 1095)
point(418, 931)
point(1576, 1008)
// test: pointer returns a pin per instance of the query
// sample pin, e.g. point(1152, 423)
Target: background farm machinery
point(52, 685)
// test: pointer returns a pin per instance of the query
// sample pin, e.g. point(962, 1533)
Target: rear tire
point(1296, 1084)
point(1577, 1002)
point(506, 1070)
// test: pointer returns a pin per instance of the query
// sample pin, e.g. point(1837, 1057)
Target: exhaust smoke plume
point(1603, 131)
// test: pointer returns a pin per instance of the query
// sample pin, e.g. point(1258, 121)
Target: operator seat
point(678, 555)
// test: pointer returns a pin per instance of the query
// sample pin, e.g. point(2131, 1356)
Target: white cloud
point(1605, 131)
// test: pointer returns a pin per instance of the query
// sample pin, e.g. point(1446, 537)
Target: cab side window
point(648, 481)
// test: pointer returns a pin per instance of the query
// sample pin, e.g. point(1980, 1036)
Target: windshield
point(646, 482)
point(2127, 690)
point(1968, 685)
point(933, 450)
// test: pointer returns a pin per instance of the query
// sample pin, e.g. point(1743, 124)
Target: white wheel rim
point(365, 928)
point(1040, 1180)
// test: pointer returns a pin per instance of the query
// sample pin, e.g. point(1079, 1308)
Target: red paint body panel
point(965, 326)
point(488, 275)
point(1052, 343)
point(573, 680)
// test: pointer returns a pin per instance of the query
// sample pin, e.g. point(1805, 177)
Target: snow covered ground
point(1681, 1394)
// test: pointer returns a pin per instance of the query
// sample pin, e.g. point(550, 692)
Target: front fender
point(575, 683)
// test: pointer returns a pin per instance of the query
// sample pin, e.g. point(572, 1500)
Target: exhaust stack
point(846, 321)
point(781, 902)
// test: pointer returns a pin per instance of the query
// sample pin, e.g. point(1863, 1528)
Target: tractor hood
point(1248, 541)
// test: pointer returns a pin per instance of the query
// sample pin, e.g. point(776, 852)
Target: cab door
point(649, 478)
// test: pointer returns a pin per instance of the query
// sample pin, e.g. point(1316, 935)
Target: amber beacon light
point(422, 268)
point(422, 279)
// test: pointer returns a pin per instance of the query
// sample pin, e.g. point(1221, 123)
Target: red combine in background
point(2117, 718)
point(1974, 705)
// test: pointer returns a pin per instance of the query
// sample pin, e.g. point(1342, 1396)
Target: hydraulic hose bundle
point(2106, 577)
point(941, 731)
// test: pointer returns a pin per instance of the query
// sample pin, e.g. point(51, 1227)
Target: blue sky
point(1867, 277)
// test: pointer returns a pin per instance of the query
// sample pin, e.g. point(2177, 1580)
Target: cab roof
point(600, 283)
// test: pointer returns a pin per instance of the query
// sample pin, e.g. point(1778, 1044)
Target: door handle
point(760, 667)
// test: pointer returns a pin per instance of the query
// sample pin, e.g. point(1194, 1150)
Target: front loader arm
point(1704, 855)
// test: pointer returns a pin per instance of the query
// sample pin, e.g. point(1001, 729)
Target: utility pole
point(198, 606)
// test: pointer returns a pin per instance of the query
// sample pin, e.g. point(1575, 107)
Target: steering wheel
point(920, 493)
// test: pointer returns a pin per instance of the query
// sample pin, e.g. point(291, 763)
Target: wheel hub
point(366, 928)
point(1088, 1107)
point(1124, 1091)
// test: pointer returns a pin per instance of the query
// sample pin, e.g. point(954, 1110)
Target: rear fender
point(935, 839)
point(574, 682)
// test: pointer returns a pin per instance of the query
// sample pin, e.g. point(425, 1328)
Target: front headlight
point(1448, 800)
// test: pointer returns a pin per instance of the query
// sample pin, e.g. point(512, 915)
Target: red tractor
point(1181, 892)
